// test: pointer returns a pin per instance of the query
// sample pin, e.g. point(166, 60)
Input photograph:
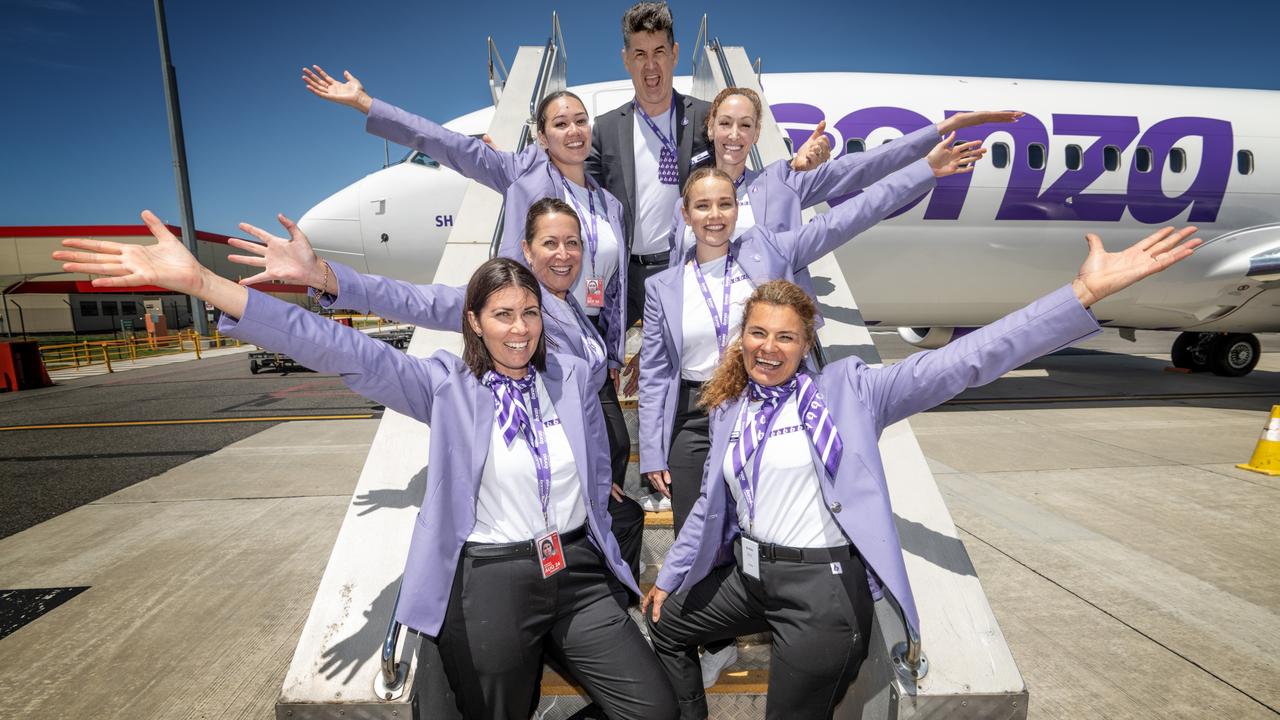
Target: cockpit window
point(420, 159)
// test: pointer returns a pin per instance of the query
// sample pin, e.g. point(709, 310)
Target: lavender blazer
point(864, 401)
point(763, 256)
point(523, 178)
point(778, 193)
point(440, 307)
point(441, 388)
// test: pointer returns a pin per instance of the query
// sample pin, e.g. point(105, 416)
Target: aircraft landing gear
point(1225, 354)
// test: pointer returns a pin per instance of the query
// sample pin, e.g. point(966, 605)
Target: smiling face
point(565, 131)
point(711, 211)
point(734, 130)
point(510, 324)
point(650, 59)
point(773, 343)
point(554, 252)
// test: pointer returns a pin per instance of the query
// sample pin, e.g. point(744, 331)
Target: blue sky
point(83, 124)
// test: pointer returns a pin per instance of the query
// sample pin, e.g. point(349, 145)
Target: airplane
point(1120, 160)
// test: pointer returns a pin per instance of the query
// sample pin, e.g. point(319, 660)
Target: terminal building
point(36, 297)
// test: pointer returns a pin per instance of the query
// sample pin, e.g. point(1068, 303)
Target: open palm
point(947, 158)
point(1105, 273)
point(350, 93)
point(288, 259)
point(166, 263)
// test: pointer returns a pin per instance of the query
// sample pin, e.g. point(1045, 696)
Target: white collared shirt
point(700, 353)
point(790, 508)
point(507, 505)
point(654, 200)
point(606, 257)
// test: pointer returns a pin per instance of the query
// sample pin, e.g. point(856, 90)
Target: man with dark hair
point(642, 152)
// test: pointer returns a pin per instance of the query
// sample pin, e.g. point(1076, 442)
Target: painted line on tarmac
point(1109, 398)
point(204, 421)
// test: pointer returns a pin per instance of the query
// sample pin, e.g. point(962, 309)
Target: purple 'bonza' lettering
point(1065, 199)
point(1147, 200)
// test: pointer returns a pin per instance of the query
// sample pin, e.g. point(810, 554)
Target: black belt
point(695, 385)
point(658, 258)
point(769, 551)
point(516, 549)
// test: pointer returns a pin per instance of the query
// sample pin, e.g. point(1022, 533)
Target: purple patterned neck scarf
point(755, 430)
point(519, 413)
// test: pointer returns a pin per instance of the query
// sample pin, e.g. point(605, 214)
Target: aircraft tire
point(1187, 355)
point(253, 367)
point(1235, 354)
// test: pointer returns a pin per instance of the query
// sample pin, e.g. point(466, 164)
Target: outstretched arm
point(926, 379)
point(854, 171)
point(292, 259)
point(370, 367)
point(473, 158)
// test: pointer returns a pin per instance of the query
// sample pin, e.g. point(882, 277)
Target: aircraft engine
point(927, 338)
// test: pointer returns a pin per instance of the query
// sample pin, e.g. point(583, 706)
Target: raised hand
point(350, 93)
point(167, 263)
point(1105, 273)
point(948, 159)
point(815, 151)
point(288, 259)
point(963, 120)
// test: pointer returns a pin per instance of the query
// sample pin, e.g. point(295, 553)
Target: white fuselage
point(978, 245)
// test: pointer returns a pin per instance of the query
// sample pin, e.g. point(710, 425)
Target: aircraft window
point(1075, 157)
point(886, 142)
point(1142, 159)
point(791, 149)
point(1000, 155)
point(1177, 160)
point(128, 308)
point(420, 159)
point(1035, 156)
point(1111, 158)
point(88, 308)
point(109, 307)
point(855, 145)
point(1244, 162)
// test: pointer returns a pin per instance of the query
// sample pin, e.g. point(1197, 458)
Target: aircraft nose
point(334, 223)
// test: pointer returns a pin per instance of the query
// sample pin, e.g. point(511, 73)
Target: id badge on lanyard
point(546, 544)
point(595, 292)
point(550, 552)
point(750, 558)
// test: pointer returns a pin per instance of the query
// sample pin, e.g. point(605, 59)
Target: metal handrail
point(497, 80)
point(393, 681)
point(552, 72)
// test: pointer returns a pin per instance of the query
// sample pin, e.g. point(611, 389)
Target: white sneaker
point(656, 502)
point(715, 663)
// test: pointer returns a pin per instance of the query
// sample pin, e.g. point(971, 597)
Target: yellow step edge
point(659, 519)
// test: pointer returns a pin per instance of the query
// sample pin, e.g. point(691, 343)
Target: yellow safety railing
point(105, 352)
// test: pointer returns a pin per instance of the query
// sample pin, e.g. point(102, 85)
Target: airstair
point(354, 661)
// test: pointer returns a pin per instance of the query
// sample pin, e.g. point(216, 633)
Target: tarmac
point(1134, 570)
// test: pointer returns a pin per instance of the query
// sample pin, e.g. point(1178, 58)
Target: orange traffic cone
point(1266, 456)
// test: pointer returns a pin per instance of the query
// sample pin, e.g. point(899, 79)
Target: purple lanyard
point(751, 439)
point(668, 143)
point(541, 453)
point(720, 317)
point(592, 233)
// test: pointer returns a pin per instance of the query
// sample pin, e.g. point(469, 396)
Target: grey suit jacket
point(612, 161)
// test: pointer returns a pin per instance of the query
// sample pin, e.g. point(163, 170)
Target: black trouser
point(502, 614)
point(627, 515)
point(820, 620)
point(637, 272)
point(690, 444)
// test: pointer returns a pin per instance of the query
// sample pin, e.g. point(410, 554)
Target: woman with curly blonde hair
point(794, 489)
